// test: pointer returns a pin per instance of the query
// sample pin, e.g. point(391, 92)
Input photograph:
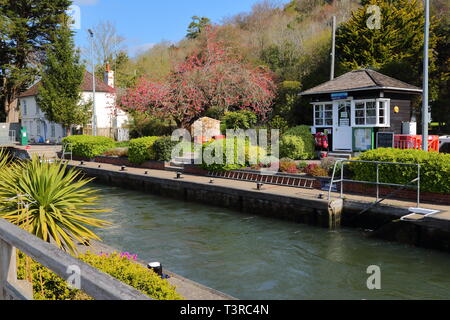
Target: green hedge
point(162, 148)
point(435, 168)
point(140, 150)
point(89, 146)
point(49, 286)
point(309, 145)
point(218, 147)
point(294, 147)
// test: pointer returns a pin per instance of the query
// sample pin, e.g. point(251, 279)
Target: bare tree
point(107, 43)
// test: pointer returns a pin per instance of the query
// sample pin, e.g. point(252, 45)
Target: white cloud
point(86, 2)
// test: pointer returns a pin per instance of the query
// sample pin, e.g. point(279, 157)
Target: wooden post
point(334, 212)
point(8, 271)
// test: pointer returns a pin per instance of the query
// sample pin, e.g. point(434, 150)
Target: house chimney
point(109, 76)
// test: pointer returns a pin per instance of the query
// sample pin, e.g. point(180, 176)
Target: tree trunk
point(67, 128)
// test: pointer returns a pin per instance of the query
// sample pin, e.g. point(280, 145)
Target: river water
point(251, 257)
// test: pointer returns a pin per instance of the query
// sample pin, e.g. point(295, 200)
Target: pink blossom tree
point(212, 77)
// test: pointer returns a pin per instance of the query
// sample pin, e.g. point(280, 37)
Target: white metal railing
point(93, 282)
point(415, 183)
point(66, 147)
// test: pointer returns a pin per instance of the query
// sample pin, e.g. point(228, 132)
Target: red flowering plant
point(208, 78)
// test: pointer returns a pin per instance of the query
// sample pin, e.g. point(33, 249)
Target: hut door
point(342, 137)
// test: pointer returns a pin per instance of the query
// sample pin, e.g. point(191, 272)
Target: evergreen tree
point(59, 93)
point(26, 27)
point(196, 27)
point(396, 48)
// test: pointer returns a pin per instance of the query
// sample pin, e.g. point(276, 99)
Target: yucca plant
point(50, 201)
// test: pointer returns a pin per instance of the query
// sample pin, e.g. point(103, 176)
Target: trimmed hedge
point(140, 150)
point(434, 170)
point(294, 147)
point(220, 146)
point(49, 286)
point(162, 148)
point(89, 146)
point(304, 132)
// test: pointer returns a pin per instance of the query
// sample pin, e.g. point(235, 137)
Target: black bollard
point(82, 163)
point(211, 181)
point(146, 172)
point(156, 267)
point(179, 175)
point(123, 168)
point(259, 185)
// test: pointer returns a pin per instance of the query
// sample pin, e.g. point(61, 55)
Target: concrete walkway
point(271, 189)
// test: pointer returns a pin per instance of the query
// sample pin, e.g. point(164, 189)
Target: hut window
point(371, 112)
point(323, 114)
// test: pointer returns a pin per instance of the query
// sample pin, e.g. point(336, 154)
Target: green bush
point(162, 148)
point(243, 119)
point(219, 148)
point(308, 140)
point(89, 146)
point(293, 147)
point(434, 170)
point(140, 150)
point(49, 286)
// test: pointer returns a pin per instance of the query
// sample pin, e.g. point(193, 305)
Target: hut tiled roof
point(86, 86)
point(364, 79)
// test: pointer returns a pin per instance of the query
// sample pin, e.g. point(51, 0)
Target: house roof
point(364, 79)
point(86, 86)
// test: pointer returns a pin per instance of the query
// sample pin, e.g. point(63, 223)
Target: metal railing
point(93, 282)
point(66, 147)
point(415, 183)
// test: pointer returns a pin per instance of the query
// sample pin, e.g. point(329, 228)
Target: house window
point(24, 107)
point(323, 114)
point(52, 129)
point(371, 113)
point(38, 129)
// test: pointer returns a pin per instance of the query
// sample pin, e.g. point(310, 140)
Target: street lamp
point(94, 114)
point(425, 78)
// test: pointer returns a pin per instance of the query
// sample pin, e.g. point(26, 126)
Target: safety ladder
point(289, 181)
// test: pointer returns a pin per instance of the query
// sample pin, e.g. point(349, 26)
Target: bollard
point(81, 163)
point(321, 196)
point(211, 181)
point(123, 168)
point(179, 175)
point(146, 172)
point(99, 166)
point(156, 267)
point(259, 185)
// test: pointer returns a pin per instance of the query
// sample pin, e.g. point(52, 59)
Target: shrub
point(162, 148)
point(288, 166)
point(319, 172)
point(310, 168)
point(89, 146)
point(302, 165)
point(279, 123)
point(293, 147)
point(308, 140)
point(49, 286)
point(434, 170)
point(220, 146)
point(243, 119)
point(140, 150)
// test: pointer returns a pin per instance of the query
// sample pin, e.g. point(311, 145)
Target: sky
point(146, 22)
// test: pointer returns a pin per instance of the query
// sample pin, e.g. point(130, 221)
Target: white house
point(109, 117)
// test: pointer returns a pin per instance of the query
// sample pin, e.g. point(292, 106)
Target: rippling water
point(251, 257)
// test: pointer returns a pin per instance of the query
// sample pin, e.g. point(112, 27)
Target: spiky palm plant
point(50, 201)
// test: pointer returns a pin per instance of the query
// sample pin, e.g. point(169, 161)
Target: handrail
point(377, 182)
point(93, 282)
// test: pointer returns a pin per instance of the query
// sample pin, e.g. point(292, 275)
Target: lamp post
point(425, 78)
point(94, 114)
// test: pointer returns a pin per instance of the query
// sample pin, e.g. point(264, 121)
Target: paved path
point(272, 189)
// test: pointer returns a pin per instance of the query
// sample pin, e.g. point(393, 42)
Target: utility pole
point(94, 113)
point(425, 106)
point(333, 49)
